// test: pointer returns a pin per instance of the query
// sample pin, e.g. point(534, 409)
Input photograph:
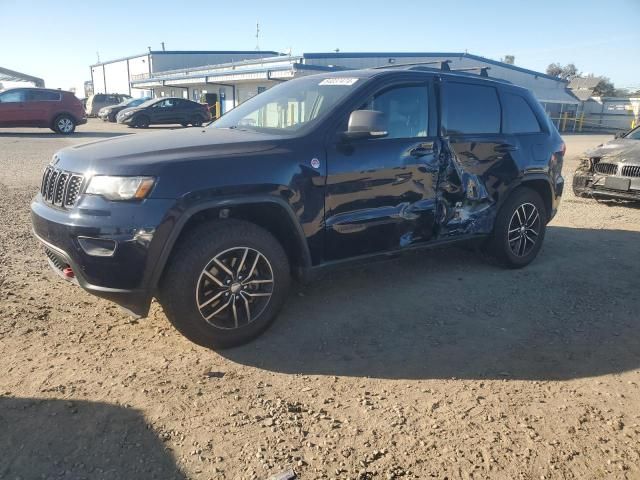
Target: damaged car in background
point(315, 172)
point(611, 170)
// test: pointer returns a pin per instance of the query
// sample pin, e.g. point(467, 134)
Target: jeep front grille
point(60, 188)
point(631, 171)
point(606, 168)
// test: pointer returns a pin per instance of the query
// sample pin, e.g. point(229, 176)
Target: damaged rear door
point(381, 192)
point(480, 167)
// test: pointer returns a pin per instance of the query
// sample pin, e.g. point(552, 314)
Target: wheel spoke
point(246, 306)
point(211, 277)
point(235, 311)
point(223, 266)
point(211, 299)
point(258, 294)
point(244, 257)
point(253, 267)
point(530, 224)
point(218, 310)
point(530, 239)
point(258, 282)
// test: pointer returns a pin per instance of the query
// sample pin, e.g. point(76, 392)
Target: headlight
point(127, 114)
point(120, 188)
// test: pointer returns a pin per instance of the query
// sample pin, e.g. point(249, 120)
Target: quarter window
point(42, 96)
point(518, 116)
point(471, 109)
point(406, 109)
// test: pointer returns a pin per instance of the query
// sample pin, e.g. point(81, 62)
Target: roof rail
point(444, 65)
point(484, 71)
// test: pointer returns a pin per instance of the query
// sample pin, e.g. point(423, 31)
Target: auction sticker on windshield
point(338, 81)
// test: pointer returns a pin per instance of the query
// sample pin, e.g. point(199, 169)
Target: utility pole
point(98, 56)
point(258, 36)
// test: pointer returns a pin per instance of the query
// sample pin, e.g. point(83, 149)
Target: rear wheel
point(64, 124)
point(225, 283)
point(142, 121)
point(519, 229)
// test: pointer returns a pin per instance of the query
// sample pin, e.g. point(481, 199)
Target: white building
point(116, 76)
point(236, 76)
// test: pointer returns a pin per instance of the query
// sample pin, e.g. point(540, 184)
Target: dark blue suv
point(312, 173)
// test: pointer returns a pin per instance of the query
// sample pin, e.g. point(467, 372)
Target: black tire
point(112, 118)
point(523, 202)
point(196, 121)
point(185, 125)
point(142, 121)
point(184, 283)
point(64, 124)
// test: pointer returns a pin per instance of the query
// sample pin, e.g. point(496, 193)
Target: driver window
point(406, 110)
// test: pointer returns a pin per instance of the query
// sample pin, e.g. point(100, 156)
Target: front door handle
point(422, 150)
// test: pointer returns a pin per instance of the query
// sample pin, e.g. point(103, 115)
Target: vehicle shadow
point(43, 438)
point(448, 313)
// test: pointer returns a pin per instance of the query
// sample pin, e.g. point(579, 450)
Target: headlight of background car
point(126, 114)
point(120, 188)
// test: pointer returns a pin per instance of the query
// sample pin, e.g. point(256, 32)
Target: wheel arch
point(268, 212)
point(542, 186)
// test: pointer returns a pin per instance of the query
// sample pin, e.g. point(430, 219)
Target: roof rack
point(484, 71)
point(444, 65)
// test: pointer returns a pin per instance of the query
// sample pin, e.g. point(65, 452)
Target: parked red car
point(41, 107)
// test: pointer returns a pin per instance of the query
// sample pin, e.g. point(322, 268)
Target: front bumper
point(590, 184)
point(136, 228)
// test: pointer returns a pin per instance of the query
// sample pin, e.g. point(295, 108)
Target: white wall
point(117, 78)
point(98, 79)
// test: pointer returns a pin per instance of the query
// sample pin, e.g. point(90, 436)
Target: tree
point(605, 88)
point(554, 69)
point(566, 72)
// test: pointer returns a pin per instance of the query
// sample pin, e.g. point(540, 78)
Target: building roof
point(191, 52)
point(13, 76)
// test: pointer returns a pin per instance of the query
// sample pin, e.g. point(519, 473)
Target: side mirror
point(367, 124)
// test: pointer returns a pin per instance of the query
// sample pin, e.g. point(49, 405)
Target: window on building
point(406, 109)
point(518, 116)
point(471, 109)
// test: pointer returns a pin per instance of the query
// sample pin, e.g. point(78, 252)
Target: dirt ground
point(435, 365)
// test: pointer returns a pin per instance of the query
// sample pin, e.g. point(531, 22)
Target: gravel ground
point(437, 364)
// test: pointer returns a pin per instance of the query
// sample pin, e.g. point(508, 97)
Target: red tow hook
point(68, 272)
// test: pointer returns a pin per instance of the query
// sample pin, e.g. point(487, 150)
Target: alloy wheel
point(65, 125)
point(524, 229)
point(234, 288)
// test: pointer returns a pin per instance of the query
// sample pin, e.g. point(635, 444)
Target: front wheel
point(142, 121)
point(519, 229)
point(225, 283)
point(64, 124)
point(196, 121)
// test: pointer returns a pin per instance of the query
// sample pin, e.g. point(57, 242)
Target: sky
point(58, 41)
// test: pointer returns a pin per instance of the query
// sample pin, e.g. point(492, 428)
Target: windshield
point(134, 102)
point(633, 134)
point(149, 102)
point(289, 107)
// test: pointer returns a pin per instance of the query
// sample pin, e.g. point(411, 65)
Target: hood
point(129, 109)
point(619, 150)
point(147, 153)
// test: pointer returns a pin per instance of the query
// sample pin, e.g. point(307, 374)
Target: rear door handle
point(505, 147)
point(422, 150)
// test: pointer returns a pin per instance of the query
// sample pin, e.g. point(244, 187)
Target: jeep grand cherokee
point(317, 171)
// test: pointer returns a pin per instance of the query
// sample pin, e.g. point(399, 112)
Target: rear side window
point(518, 116)
point(42, 96)
point(471, 109)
